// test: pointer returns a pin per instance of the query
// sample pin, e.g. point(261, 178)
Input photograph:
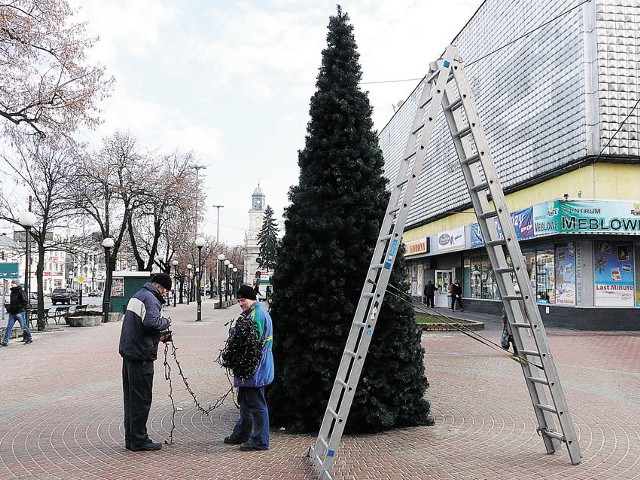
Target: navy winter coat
point(142, 324)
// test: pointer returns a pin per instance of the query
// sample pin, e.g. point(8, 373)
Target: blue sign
point(8, 270)
point(522, 223)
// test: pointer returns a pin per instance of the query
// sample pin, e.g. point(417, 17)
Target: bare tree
point(161, 225)
point(111, 185)
point(45, 172)
point(46, 85)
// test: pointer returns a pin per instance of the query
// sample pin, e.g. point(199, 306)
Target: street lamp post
point(200, 241)
point(189, 267)
point(219, 278)
point(230, 281)
point(234, 280)
point(107, 243)
point(218, 242)
point(226, 280)
point(175, 280)
point(28, 220)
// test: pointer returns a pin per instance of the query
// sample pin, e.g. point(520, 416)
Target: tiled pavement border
point(61, 412)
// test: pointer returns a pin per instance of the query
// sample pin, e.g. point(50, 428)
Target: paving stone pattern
point(61, 412)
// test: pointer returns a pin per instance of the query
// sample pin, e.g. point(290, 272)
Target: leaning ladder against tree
point(447, 85)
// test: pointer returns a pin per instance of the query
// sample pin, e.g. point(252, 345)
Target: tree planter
point(114, 317)
point(85, 319)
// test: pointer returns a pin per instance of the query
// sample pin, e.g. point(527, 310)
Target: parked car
point(94, 293)
point(64, 295)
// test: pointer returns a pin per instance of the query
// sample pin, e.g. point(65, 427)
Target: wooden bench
point(58, 313)
point(80, 309)
point(33, 317)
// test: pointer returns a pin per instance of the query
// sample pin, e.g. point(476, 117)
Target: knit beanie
point(246, 291)
point(162, 279)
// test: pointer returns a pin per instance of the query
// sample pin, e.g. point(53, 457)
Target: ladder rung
point(493, 243)
point(334, 414)
point(548, 408)
point(324, 443)
point(463, 132)
point(529, 352)
point(377, 266)
point(368, 295)
point(384, 238)
point(455, 104)
point(480, 187)
point(359, 324)
point(394, 211)
point(487, 215)
point(343, 384)
point(472, 159)
point(540, 380)
point(512, 297)
point(521, 325)
point(401, 184)
point(504, 270)
point(411, 156)
point(552, 434)
point(418, 129)
point(350, 353)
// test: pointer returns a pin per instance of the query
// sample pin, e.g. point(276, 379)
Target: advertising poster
point(117, 287)
point(522, 223)
point(565, 274)
point(613, 274)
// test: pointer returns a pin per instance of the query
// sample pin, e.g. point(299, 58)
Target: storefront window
point(565, 274)
point(482, 283)
point(545, 274)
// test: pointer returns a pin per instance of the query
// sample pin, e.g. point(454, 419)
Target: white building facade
point(252, 249)
point(557, 87)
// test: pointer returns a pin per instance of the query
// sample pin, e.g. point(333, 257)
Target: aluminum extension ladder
point(447, 85)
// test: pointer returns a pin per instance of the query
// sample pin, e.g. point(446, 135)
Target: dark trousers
point(430, 300)
point(454, 299)
point(253, 425)
point(137, 385)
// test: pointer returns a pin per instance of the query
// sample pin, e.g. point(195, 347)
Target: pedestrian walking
point(429, 294)
point(456, 295)
point(251, 431)
point(18, 302)
point(143, 322)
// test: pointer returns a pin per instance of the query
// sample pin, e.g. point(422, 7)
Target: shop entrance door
point(443, 280)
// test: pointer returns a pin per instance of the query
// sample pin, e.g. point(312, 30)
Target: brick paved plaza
point(61, 412)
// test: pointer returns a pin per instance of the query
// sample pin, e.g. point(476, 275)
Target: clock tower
point(252, 249)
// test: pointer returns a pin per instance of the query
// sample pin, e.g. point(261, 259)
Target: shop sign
point(416, 247)
point(451, 240)
point(522, 223)
point(586, 216)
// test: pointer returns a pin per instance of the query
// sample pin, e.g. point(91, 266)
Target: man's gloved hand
point(165, 336)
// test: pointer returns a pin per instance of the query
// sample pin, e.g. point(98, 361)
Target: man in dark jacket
point(429, 294)
point(17, 304)
point(456, 295)
point(141, 327)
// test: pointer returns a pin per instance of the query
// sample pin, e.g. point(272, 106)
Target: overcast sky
point(231, 80)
